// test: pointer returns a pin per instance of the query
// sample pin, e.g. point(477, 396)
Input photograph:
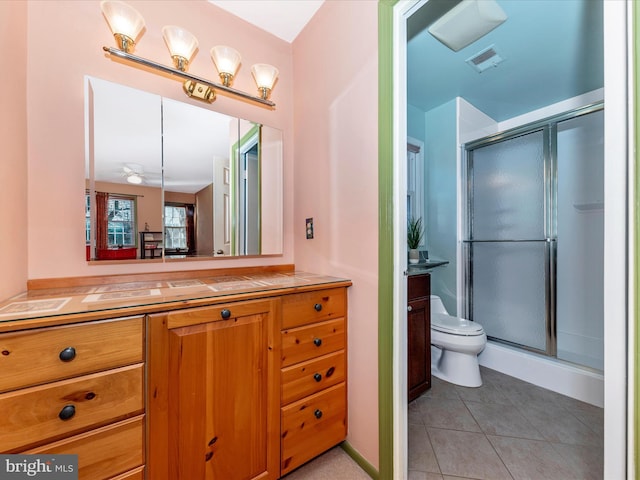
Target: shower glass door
point(535, 236)
point(580, 231)
point(509, 240)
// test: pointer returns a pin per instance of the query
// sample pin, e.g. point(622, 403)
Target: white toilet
point(455, 345)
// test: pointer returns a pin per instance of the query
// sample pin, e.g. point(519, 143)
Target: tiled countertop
point(151, 295)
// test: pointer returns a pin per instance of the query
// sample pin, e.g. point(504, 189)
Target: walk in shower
point(534, 236)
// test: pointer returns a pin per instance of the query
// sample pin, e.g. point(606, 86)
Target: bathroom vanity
point(236, 373)
point(419, 332)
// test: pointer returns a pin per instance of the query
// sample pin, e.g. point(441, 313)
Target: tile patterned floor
point(506, 429)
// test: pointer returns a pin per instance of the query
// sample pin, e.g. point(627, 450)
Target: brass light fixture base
point(125, 43)
point(199, 91)
point(226, 78)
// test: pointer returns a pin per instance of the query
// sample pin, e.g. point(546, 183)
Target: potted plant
point(414, 237)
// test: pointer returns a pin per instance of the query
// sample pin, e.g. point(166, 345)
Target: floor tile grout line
point(523, 396)
point(511, 474)
point(434, 452)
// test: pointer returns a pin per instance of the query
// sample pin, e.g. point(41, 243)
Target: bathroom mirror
point(171, 180)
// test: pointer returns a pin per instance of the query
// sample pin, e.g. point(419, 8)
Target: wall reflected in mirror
point(171, 180)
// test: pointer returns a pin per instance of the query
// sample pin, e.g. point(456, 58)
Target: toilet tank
point(437, 306)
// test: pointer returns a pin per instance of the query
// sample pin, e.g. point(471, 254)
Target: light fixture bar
point(186, 76)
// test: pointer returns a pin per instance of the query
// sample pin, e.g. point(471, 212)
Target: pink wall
point(13, 138)
point(65, 44)
point(336, 178)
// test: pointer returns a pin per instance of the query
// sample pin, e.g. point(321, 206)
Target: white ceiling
point(283, 18)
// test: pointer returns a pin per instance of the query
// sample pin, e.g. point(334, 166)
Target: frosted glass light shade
point(122, 18)
point(180, 42)
point(226, 59)
point(265, 75)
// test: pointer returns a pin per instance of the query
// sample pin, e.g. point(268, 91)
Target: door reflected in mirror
point(170, 180)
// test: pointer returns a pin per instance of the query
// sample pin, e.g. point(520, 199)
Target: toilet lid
point(458, 326)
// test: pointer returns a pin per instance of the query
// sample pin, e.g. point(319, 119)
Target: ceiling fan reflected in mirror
point(133, 173)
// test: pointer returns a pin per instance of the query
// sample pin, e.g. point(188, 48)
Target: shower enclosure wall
point(533, 246)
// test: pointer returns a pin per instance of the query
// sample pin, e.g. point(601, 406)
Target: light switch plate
point(309, 228)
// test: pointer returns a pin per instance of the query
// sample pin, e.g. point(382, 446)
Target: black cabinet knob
point(317, 342)
point(225, 314)
point(317, 377)
point(67, 412)
point(318, 413)
point(317, 307)
point(67, 354)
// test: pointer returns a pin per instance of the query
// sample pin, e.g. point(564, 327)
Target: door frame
point(619, 299)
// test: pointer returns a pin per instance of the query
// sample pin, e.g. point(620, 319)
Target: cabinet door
point(214, 393)
point(419, 336)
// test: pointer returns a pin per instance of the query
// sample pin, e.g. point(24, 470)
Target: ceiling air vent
point(484, 59)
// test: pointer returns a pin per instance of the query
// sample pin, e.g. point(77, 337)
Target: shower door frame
point(549, 128)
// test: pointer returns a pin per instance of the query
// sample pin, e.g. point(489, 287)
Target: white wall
point(441, 200)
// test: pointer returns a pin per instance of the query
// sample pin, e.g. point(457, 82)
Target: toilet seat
point(455, 325)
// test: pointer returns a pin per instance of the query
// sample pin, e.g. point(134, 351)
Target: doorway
point(392, 147)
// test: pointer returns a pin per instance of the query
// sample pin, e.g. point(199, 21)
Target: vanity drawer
point(303, 308)
point(304, 343)
point(312, 426)
point(309, 377)
point(104, 452)
point(135, 474)
point(35, 415)
point(43, 355)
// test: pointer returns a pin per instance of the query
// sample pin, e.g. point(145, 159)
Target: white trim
point(631, 253)
point(419, 179)
point(401, 12)
point(615, 240)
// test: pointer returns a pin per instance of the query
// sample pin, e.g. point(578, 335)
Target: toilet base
point(455, 367)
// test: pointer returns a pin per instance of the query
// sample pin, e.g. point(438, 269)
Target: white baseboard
point(580, 383)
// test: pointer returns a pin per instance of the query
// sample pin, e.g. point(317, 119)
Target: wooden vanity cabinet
point(419, 334)
point(213, 392)
point(76, 389)
point(248, 385)
point(313, 375)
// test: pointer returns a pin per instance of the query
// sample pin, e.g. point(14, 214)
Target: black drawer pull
point(317, 377)
point(317, 342)
point(225, 314)
point(317, 307)
point(67, 354)
point(318, 414)
point(67, 412)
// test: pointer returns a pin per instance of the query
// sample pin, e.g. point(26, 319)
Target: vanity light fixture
point(227, 61)
point(265, 76)
point(126, 23)
point(181, 44)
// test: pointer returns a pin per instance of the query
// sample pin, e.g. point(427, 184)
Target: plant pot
point(414, 255)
